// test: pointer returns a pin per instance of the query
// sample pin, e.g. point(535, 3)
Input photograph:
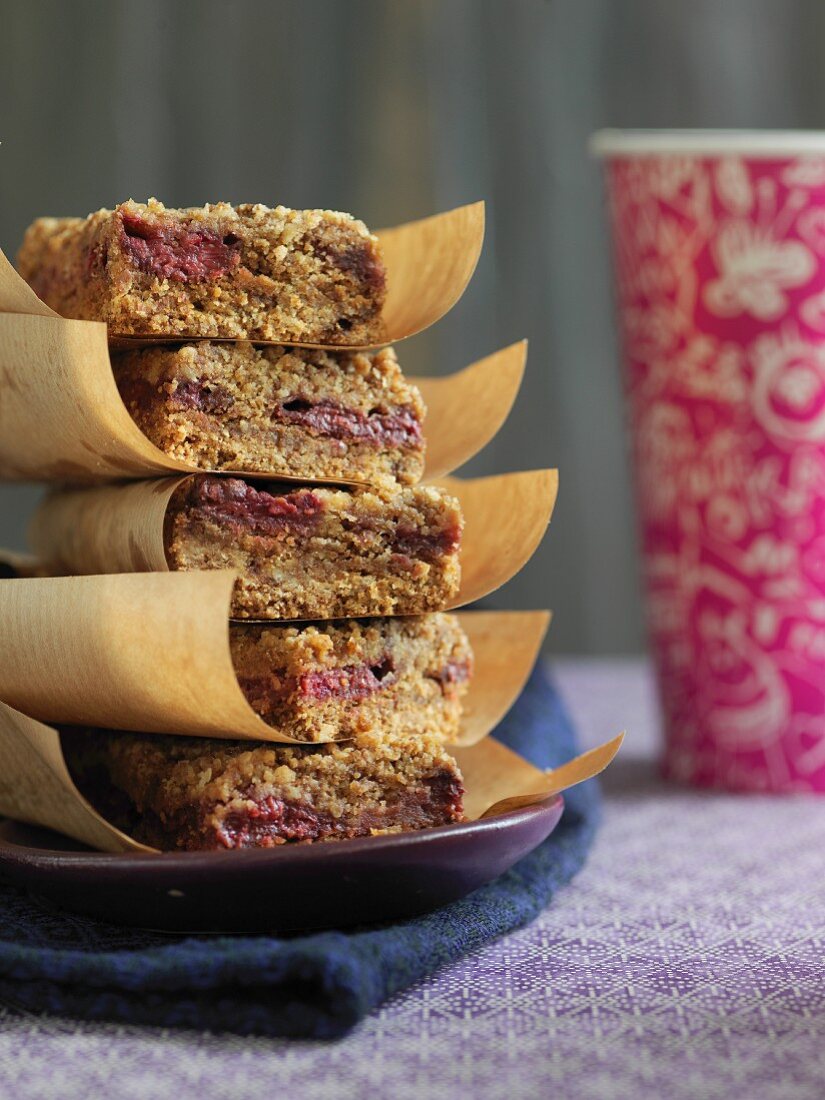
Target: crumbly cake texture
point(336, 680)
point(188, 793)
point(307, 276)
point(319, 553)
point(339, 415)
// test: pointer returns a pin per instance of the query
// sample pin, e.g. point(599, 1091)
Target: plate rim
point(287, 853)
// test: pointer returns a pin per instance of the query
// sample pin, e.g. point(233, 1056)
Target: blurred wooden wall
point(394, 109)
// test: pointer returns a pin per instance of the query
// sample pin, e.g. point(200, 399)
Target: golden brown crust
point(307, 413)
point(197, 793)
point(335, 680)
point(312, 276)
point(319, 553)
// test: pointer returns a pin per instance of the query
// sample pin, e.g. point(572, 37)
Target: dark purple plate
point(294, 888)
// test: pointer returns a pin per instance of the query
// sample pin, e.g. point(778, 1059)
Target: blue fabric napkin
point(316, 986)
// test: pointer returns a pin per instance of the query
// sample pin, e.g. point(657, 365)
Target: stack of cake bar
point(207, 307)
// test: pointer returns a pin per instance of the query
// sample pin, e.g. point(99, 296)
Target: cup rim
point(610, 143)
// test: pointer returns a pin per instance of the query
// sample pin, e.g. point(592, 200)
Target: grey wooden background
point(394, 109)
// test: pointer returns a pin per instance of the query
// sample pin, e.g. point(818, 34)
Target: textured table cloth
point(686, 960)
point(314, 986)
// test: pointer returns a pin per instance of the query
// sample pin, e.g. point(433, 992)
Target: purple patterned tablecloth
point(686, 961)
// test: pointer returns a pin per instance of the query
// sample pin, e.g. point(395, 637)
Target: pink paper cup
point(719, 242)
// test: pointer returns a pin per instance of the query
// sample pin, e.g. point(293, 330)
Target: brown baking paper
point(429, 264)
point(16, 296)
point(499, 780)
point(150, 652)
point(119, 528)
point(62, 418)
point(465, 410)
point(35, 785)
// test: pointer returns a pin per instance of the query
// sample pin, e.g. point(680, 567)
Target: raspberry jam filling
point(352, 682)
point(208, 397)
point(324, 418)
point(447, 791)
point(238, 506)
point(454, 672)
point(270, 818)
point(398, 429)
point(179, 253)
point(360, 261)
point(410, 544)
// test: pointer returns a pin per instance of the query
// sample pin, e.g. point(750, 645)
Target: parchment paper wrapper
point(499, 780)
point(429, 264)
point(466, 410)
point(119, 528)
point(35, 785)
point(150, 652)
point(62, 418)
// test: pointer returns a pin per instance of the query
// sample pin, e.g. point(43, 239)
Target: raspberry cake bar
point(188, 793)
point(341, 679)
point(316, 414)
point(319, 553)
point(307, 276)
